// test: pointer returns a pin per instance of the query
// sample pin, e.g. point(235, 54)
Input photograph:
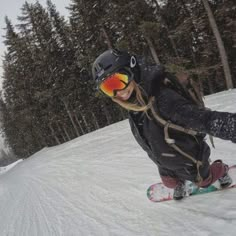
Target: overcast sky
point(12, 9)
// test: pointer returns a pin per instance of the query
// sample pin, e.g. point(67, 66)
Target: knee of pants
point(217, 170)
point(169, 182)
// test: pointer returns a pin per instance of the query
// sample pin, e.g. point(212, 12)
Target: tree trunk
point(172, 43)
point(153, 51)
point(168, 32)
point(107, 39)
point(107, 115)
point(200, 83)
point(220, 45)
point(86, 124)
point(71, 118)
point(78, 122)
point(61, 132)
point(124, 116)
point(95, 121)
point(210, 85)
point(54, 135)
point(67, 134)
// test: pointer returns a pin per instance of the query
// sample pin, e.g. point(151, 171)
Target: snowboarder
point(170, 127)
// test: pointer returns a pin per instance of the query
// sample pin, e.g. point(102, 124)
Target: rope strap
point(172, 126)
point(171, 142)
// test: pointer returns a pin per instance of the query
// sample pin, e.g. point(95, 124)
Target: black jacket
point(181, 111)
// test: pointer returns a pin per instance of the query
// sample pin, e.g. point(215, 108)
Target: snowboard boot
point(225, 180)
point(179, 190)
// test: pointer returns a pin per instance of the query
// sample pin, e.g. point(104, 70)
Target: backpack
point(190, 90)
point(185, 86)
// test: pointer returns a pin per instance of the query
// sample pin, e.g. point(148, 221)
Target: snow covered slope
point(96, 185)
point(4, 169)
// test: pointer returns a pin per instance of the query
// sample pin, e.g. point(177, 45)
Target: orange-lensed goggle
point(114, 82)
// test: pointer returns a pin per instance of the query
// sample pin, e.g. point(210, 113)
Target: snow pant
point(210, 173)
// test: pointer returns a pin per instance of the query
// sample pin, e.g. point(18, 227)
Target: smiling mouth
point(125, 95)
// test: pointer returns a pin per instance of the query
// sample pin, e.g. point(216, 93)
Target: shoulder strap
point(171, 142)
point(170, 125)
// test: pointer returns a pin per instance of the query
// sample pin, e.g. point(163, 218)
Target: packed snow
point(95, 185)
point(4, 169)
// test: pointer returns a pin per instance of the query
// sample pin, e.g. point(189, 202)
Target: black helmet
point(111, 61)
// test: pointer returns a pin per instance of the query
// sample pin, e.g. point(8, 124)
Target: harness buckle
point(170, 141)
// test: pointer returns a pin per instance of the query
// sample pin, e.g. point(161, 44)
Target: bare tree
point(220, 44)
point(153, 51)
point(71, 117)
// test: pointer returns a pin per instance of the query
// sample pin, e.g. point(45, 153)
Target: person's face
point(125, 94)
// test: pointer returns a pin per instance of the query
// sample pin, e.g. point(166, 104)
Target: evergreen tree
point(48, 95)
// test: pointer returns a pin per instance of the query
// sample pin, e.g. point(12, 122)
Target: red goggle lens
point(114, 82)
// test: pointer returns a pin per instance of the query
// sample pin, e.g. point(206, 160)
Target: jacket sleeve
point(180, 111)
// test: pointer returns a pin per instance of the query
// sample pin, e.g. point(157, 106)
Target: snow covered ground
point(95, 185)
point(4, 169)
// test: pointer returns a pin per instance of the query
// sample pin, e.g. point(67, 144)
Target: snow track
point(96, 186)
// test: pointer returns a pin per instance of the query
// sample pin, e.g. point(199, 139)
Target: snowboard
point(159, 193)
